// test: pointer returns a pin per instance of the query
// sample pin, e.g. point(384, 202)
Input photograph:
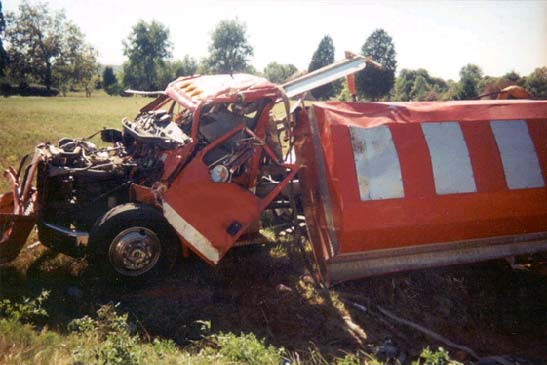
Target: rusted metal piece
point(14, 229)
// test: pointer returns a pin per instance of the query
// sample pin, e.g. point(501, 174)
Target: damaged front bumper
point(64, 240)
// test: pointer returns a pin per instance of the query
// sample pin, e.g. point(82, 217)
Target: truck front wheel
point(133, 242)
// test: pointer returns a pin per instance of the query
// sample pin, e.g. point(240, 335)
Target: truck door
point(210, 204)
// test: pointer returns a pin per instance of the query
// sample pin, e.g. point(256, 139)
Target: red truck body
point(397, 186)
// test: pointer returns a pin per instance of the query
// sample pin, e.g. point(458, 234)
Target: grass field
point(258, 306)
point(27, 121)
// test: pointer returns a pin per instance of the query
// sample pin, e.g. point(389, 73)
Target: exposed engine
point(77, 181)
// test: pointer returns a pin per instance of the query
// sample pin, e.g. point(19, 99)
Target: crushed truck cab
point(384, 187)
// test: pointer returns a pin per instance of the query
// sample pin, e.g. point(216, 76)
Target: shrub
point(245, 348)
point(29, 310)
point(439, 357)
point(24, 89)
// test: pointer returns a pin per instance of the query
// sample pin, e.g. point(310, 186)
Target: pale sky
point(440, 36)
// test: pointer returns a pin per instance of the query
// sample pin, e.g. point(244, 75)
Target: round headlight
point(220, 173)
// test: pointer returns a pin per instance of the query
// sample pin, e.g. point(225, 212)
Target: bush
point(36, 90)
point(6, 89)
point(24, 89)
point(439, 357)
point(245, 348)
point(114, 342)
point(29, 310)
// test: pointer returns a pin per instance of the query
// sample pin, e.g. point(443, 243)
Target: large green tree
point(185, 67)
point(76, 66)
point(147, 48)
point(35, 39)
point(418, 85)
point(323, 56)
point(470, 77)
point(110, 81)
point(278, 73)
point(536, 83)
point(45, 47)
point(3, 53)
point(229, 49)
point(373, 83)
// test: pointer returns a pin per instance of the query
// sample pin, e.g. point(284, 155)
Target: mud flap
point(211, 216)
point(14, 229)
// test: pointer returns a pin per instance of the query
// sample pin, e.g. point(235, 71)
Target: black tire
point(133, 243)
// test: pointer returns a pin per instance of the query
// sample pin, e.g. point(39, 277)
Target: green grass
point(27, 121)
point(109, 338)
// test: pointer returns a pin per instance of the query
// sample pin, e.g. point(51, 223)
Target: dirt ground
point(489, 307)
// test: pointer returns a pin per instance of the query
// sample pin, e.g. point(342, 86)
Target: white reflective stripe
point(376, 163)
point(518, 154)
point(452, 169)
point(191, 234)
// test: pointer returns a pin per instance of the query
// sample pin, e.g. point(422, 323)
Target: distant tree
point(470, 77)
point(514, 78)
point(472, 72)
point(87, 67)
point(147, 48)
point(186, 67)
point(3, 53)
point(278, 73)
point(344, 94)
point(250, 69)
point(467, 89)
point(536, 83)
point(35, 37)
point(420, 88)
point(373, 83)
point(405, 83)
point(204, 66)
point(418, 85)
point(323, 56)
point(110, 82)
point(45, 47)
point(76, 65)
point(229, 49)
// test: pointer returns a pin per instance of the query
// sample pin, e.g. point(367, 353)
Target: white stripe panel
point(191, 234)
point(376, 163)
point(452, 169)
point(518, 154)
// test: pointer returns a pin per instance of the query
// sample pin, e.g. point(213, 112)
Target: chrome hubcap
point(134, 251)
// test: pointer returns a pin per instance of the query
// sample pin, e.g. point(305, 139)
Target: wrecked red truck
point(384, 187)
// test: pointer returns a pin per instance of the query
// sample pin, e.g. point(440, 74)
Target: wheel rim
point(134, 251)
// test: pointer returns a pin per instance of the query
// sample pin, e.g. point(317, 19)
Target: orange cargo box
point(397, 186)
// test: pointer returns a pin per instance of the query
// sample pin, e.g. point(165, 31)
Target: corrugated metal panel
point(518, 155)
point(376, 163)
point(452, 169)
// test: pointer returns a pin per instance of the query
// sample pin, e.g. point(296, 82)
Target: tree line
point(39, 46)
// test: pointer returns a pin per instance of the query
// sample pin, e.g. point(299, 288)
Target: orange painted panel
point(422, 216)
